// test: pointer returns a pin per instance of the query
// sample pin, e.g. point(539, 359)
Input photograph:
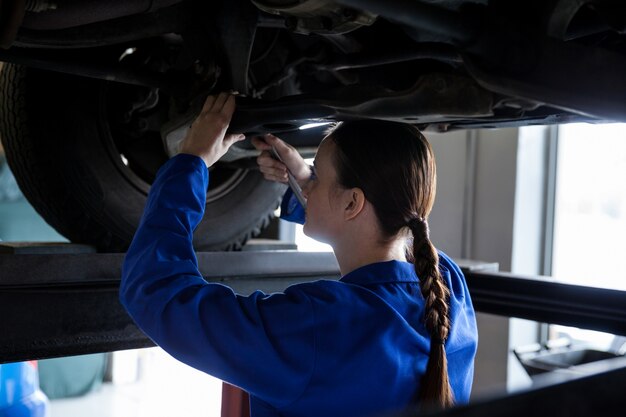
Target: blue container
point(20, 395)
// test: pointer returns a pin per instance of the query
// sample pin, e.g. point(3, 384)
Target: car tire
point(64, 158)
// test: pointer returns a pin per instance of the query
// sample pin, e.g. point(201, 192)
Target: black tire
point(59, 146)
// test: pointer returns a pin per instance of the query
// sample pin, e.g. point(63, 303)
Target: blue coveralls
point(354, 347)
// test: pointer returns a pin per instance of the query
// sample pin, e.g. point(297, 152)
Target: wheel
point(87, 173)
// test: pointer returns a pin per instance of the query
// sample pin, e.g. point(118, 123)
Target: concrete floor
point(147, 382)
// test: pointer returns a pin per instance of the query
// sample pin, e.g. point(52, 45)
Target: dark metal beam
point(547, 300)
point(506, 58)
point(93, 269)
point(49, 61)
point(597, 393)
point(172, 19)
point(421, 16)
point(66, 304)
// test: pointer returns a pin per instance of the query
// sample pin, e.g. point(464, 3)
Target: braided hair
point(394, 165)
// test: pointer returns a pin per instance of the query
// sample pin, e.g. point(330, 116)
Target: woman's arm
point(262, 343)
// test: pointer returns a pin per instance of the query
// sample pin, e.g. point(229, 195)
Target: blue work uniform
point(353, 347)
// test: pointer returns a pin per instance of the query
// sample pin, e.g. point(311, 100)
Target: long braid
point(435, 387)
point(394, 165)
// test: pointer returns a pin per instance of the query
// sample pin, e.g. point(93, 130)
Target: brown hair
point(393, 164)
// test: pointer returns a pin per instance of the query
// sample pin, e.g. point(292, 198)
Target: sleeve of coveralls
point(291, 209)
point(261, 343)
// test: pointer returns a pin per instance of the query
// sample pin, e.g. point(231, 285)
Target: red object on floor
point(235, 401)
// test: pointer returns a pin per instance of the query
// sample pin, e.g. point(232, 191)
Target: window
point(590, 212)
point(305, 243)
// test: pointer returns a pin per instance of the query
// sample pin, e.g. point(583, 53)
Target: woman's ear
point(353, 203)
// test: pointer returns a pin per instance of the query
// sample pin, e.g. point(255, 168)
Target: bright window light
point(590, 213)
point(305, 243)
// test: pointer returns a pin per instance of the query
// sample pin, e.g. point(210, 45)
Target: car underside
point(96, 95)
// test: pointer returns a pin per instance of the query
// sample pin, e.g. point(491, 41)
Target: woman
point(377, 341)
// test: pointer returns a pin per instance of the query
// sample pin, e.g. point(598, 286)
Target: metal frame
point(599, 393)
point(526, 65)
point(64, 304)
point(547, 300)
point(67, 304)
point(55, 305)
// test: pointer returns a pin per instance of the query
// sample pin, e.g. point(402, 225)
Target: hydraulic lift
point(65, 303)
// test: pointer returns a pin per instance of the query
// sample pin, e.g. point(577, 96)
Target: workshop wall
point(484, 198)
point(18, 219)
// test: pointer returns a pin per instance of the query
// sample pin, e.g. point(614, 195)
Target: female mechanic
point(397, 330)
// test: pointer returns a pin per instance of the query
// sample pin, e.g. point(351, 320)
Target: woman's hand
point(207, 137)
point(275, 170)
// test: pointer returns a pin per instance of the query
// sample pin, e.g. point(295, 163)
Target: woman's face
point(323, 213)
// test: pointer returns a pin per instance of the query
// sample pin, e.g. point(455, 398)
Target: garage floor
point(147, 382)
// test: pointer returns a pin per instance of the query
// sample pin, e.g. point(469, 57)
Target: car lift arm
point(55, 305)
